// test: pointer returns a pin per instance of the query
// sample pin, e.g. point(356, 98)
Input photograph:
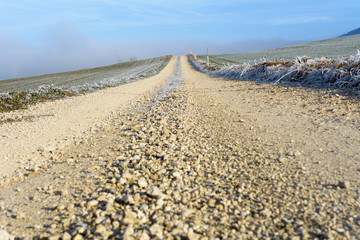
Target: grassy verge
point(341, 73)
point(329, 48)
point(20, 93)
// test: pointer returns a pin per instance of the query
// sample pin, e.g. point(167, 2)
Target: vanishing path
point(203, 158)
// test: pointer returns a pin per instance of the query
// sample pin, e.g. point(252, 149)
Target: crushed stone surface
point(203, 158)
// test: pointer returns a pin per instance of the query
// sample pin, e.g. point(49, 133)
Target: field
point(330, 64)
point(20, 92)
point(329, 48)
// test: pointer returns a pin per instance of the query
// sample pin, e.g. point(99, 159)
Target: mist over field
point(64, 48)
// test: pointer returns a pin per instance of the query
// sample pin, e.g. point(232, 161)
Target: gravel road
point(202, 158)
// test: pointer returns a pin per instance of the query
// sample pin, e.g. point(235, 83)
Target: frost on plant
point(339, 73)
point(21, 99)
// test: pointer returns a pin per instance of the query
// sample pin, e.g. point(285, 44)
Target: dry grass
point(340, 73)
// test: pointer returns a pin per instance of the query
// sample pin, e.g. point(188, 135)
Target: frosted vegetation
point(323, 64)
point(19, 93)
point(329, 48)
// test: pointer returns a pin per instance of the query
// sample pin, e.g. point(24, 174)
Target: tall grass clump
point(339, 73)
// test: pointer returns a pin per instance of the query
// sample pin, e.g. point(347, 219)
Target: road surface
point(185, 156)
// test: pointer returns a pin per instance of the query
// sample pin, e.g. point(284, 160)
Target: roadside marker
point(207, 57)
point(195, 52)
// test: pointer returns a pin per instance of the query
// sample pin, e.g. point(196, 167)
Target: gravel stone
point(4, 235)
point(153, 192)
point(344, 184)
point(142, 183)
point(129, 230)
point(157, 231)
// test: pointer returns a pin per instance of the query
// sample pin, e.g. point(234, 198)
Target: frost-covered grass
point(339, 73)
point(19, 93)
point(329, 48)
point(329, 63)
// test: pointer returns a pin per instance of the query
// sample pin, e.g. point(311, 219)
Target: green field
point(122, 71)
point(330, 48)
point(326, 64)
point(20, 92)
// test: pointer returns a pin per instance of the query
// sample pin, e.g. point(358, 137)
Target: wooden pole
point(207, 56)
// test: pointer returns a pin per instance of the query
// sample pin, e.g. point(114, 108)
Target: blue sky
point(41, 36)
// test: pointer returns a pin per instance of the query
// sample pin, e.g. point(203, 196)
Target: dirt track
point(28, 137)
point(213, 159)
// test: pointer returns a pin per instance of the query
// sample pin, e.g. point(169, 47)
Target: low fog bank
point(66, 48)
